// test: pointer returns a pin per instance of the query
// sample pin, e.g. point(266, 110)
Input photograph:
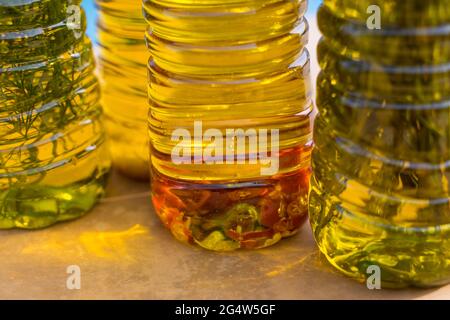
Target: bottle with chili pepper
point(230, 119)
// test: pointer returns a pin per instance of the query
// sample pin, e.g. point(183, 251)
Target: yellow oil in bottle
point(123, 75)
point(53, 162)
point(218, 67)
point(380, 189)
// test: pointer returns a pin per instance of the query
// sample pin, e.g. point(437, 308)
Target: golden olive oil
point(229, 76)
point(380, 189)
point(53, 162)
point(123, 73)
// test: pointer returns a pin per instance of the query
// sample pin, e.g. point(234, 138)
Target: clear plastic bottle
point(53, 163)
point(123, 76)
point(380, 189)
point(217, 67)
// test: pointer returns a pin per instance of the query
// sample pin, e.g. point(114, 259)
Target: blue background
point(92, 13)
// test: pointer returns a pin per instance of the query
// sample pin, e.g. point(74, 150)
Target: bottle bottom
point(232, 215)
point(41, 197)
point(39, 206)
point(406, 256)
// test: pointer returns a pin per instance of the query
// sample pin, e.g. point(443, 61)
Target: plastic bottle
point(217, 67)
point(123, 76)
point(53, 163)
point(380, 189)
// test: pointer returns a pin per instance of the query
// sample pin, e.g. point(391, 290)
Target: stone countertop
point(124, 252)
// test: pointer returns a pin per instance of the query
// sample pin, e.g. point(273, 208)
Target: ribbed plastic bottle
point(123, 75)
point(230, 119)
point(380, 189)
point(53, 163)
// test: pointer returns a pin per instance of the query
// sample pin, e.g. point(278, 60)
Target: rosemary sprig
point(39, 76)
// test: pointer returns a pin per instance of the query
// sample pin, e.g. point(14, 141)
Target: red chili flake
point(164, 197)
point(283, 225)
point(263, 234)
point(290, 158)
point(270, 212)
point(297, 221)
point(197, 199)
point(250, 244)
point(180, 229)
point(247, 193)
point(291, 184)
point(217, 201)
point(169, 215)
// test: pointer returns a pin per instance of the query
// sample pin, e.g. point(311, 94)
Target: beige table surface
point(124, 252)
